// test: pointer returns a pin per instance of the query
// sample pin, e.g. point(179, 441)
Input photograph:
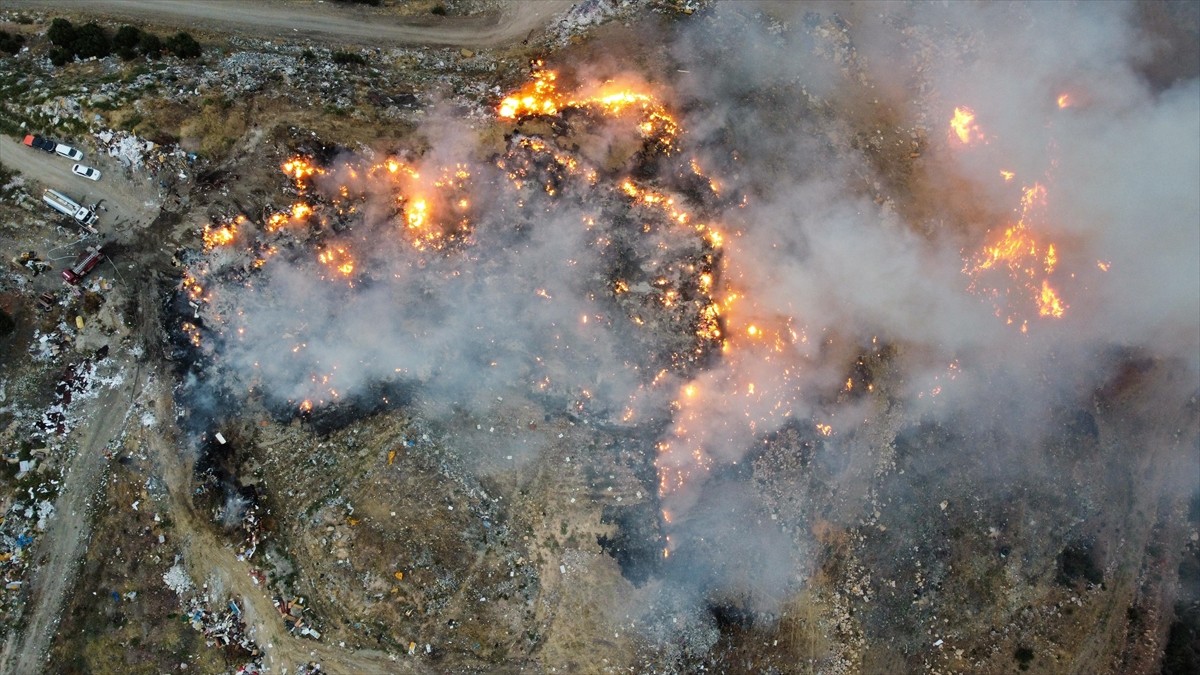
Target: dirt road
point(209, 557)
point(124, 201)
point(327, 22)
point(63, 543)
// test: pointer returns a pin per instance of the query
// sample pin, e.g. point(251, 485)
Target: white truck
point(67, 206)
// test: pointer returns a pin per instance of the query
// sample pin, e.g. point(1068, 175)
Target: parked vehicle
point(74, 274)
point(67, 206)
point(40, 143)
point(85, 171)
point(68, 152)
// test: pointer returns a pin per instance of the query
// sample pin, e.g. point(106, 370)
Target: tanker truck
point(67, 206)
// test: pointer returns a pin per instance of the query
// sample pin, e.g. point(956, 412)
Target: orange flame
point(963, 126)
point(1028, 261)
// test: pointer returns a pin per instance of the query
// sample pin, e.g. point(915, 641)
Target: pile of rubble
point(292, 612)
point(22, 521)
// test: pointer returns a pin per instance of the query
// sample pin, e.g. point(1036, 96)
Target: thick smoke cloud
point(832, 256)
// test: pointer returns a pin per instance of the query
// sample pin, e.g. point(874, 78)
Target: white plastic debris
point(220, 438)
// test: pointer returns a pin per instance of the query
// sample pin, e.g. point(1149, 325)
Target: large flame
point(1017, 255)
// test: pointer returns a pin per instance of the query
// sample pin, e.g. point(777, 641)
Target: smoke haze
point(840, 262)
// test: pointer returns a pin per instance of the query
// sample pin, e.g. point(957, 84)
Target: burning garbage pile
point(588, 282)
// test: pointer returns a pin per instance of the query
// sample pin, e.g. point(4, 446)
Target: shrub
point(439, 10)
point(150, 45)
point(347, 58)
point(60, 56)
point(9, 43)
point(61, 33)
point(184, 46)
point(127, 36)
point(91, 40)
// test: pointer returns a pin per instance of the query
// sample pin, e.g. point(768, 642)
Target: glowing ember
point(1064, 100)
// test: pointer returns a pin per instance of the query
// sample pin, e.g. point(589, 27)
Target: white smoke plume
point(837, 258)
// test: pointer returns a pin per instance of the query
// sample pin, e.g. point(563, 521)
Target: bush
point(61, 33)
point(184, 46)
point(346, 58)
point(91, 40)
point(60, 56)
point(439, 10)
point(86, 41)
point(11, 44)
point(127, 37)
point(150, 45)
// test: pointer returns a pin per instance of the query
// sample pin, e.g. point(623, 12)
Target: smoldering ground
point(847, 309)
point(828, 246)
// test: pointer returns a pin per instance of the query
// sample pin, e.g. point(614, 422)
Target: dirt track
point(324, 22)
point(62, 545)
point(67, 533)
point(125, 201)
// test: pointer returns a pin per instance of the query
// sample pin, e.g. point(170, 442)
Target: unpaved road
point(125, 201)
point(62, 544)
point(209, 557)
point(326, 22)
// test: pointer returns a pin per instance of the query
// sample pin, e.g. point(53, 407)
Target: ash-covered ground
point(739, 337)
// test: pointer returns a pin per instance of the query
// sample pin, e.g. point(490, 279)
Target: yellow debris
point(399, 575)
point(352, 521)
point(79, 322)
point(391, 457)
